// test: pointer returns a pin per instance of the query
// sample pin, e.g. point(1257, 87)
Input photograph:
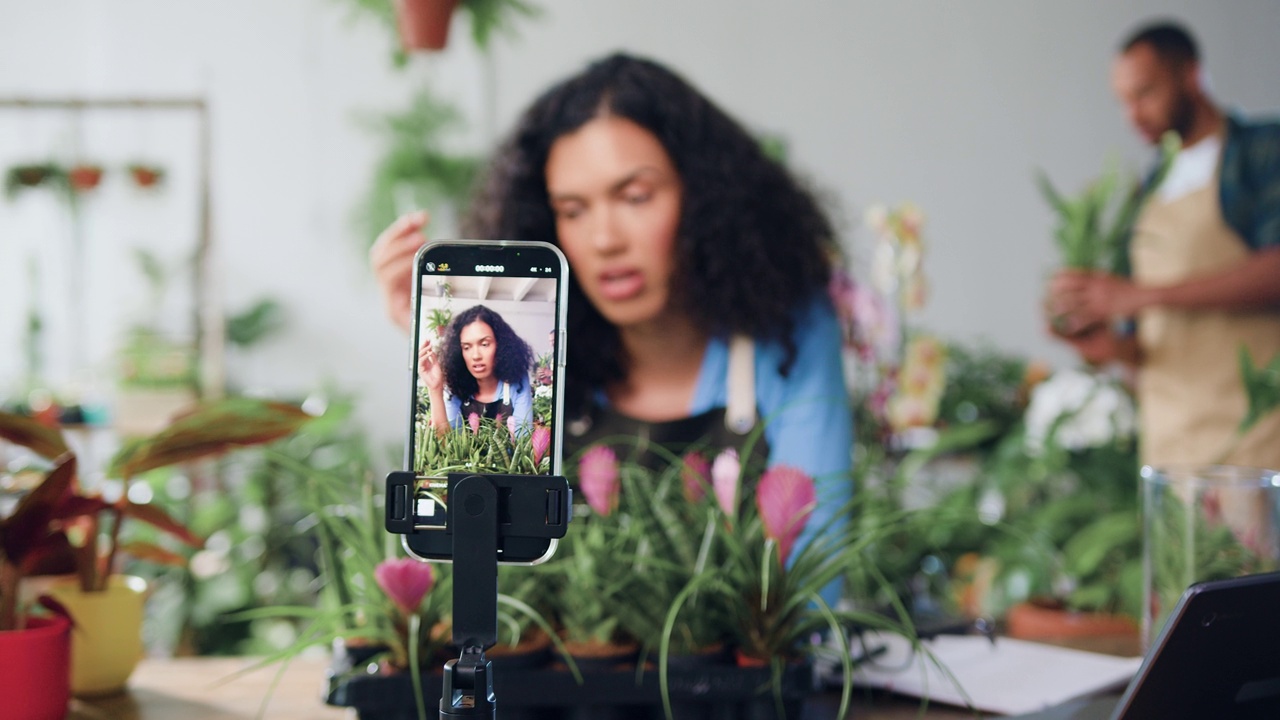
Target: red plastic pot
point(35, 670)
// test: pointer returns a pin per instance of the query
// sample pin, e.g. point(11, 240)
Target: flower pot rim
point(44, 625)
point(116, 582)
point(1218, 475)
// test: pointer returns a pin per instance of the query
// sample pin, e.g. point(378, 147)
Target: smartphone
point(487, 369)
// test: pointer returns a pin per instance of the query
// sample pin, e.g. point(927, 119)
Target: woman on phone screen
point(483, 371)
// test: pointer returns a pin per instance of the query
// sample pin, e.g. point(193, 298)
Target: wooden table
point(206, 688)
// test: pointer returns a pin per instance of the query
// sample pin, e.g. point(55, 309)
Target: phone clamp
point(482, 511)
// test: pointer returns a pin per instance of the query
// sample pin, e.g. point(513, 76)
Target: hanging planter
point(84, 177)
point(145, 176)
point(424, 24)
point(31, 175)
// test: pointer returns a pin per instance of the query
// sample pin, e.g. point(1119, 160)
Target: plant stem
point(10, 579)
point(415, 669)
point(100, 582)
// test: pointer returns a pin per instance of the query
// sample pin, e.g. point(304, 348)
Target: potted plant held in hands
point(1091, 228)
point(106, 606)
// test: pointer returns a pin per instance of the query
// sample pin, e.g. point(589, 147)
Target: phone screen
point(487, 378)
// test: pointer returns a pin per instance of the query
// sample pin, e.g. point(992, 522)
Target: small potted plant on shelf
point(145, 175)
point(423, 25)
point(84, 176)
point(106, 606)
point(32, 175)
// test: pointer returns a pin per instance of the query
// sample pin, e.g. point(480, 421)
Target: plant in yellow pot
point(107, 608)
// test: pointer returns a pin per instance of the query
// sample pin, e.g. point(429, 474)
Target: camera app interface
point(484, 385)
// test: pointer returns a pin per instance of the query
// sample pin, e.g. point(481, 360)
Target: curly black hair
point(512, 360)
point(752, 243)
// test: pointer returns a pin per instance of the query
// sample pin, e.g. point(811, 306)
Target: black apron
point(656, 445)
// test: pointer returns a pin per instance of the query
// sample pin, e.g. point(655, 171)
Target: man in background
point(1205, 259)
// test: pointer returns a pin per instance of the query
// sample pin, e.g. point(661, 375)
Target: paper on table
point(1009, 677)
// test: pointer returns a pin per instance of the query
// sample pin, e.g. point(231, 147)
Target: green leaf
point(41, 439)
point(210, 429)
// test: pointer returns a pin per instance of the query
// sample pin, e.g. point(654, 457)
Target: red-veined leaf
point(41, 439)
point(151, 552)
point(28, 525)
point(158, 518)
point(210, 429)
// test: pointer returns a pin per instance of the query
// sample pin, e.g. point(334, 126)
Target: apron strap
point(740, 405)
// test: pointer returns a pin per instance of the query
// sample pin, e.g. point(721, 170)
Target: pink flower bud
point(695, 474)
point(405, 581)
point(474, 421)
point(541, 443)
point(785, 498)
point(725, 472)
point(598, 478)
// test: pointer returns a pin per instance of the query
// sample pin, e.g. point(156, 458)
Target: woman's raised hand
point(392, 259)
point(429, 370)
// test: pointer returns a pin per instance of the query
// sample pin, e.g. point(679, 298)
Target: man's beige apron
point(1190, 395)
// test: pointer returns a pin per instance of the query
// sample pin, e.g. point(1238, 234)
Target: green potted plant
point(84, 176)
point(1064, 485)
point(1091, 227)
point(416, 168)
point(423, 25)
point(145, 175)
point(599, 574)
point(32, 175)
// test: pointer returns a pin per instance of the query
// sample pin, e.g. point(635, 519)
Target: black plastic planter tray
point(715, 692)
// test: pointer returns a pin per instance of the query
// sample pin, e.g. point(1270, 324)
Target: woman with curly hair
point(484, 372)
point(699, 265)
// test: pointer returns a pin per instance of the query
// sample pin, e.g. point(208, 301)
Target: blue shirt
point(807, 416)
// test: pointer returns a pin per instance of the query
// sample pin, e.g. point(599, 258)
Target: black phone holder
point(482, 511)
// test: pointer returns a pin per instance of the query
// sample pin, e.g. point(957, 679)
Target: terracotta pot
point(84, 177)
point(145, 177)
point(35, 669)
point(106, 644)
point(592, 656)
point(1037, 620)
point(748, 661)
point(532, 651)
point(424, 24)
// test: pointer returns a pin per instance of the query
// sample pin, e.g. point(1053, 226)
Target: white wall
point(950, 105)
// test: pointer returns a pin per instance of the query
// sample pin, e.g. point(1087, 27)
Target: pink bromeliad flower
point(695, 474)
point(785, 498)
point(474, 421)
point(724, 480)
point(541, 443)
point(598, 476)
point(405, 581)
point(511, 426)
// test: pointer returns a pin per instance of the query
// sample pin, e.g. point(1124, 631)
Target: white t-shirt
point(1193, 168)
